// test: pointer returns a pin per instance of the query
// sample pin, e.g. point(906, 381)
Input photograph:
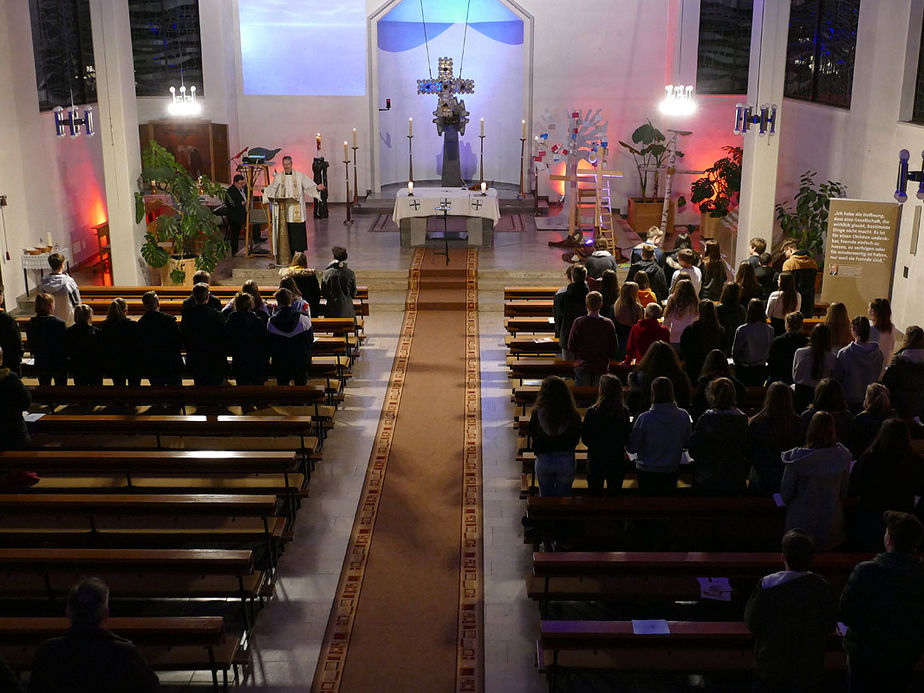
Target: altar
point(412, 211)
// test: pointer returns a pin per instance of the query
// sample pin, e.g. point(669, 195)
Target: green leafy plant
point(192, 230)
point(808, 222)
point(717, 191)
point(650, 154)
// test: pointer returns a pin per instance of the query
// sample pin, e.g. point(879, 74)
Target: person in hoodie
point(647, 263)
point(882, 606)
point(45, 335)
point(247, 342)
point(644, 333)
point(290, 338)
point(858, 364)
point(905, 375)
point(10, 338)
point(63, 288)
point(815, 481)
point(568, 306)
point(554, 432)
point(719, 443)
point(659, 438)
point(84, 348)
point(338, 284)
point(306, 280)
point(203, 331)
point(766, 277)
point(160, 344)
point(601, 259)
point(804, 269)
point(791, 614)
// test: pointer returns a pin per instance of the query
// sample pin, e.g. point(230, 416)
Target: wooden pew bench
point(174, 643)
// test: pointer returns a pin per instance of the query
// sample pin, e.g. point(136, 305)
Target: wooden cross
point(573, 179)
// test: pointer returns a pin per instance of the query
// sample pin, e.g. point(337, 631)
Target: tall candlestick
point(346, 154)
point(523, 123)
point(410, 127)
point(354, 137)
point(317, 139)
point(482, 127)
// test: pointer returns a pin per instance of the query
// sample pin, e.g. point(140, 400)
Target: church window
point(724, 46)
point(821, 51)
point(166, 45)
point(917, 115)
point(62, 45)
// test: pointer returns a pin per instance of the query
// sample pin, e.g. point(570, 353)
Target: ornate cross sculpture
point(449, 109)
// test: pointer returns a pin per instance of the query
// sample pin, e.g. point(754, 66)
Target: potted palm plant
point(187, 236)
point(716, 193)
point(650, 152)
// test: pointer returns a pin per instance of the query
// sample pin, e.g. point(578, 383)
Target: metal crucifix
point(450, 116)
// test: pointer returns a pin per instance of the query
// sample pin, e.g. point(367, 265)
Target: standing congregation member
point(601, 259)
point(593, 343)
point(659, 438)
point(687, 269)
point(627, 311)
point(659, 360)
point(568, 306)
point(338, 284)
point(290, 338)
point(715, 366)
point(883, 608)
point(838, 321)
point(14, 400)
point(647, 263)
point(814, 485)
point(766, 277)
point(609, 289)
point(783, 350)
point(88, 657)
point(45, 334)
point(811, 364)
point(199, 277)
point(829, 397)
point(702, 336)
point(63, 288)
point(84, 348)
point(289, 191)
point(905, 375)
point(757, 246)
point(746, 278)
point(877, 407)
point(605, 432)
point(881, 330)
point(858, 364)
point(247, 342)
point(804, 269)
point(644, 333)
point(306, 280)
point(791, 614)
point(554, 429)
point(719, 443)
point(681, 310)
point(237, 211)
point(730, 312)
point(10, 338)
point(772, 431)
point(203, 331)
point(119, 337)
point(751, 346)
point(715, 272)
point(782, 302)
point(160, 344)
point(645, 293)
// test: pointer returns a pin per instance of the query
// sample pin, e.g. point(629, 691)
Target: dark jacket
point(699, 404)
point(718, 447)
point(89, 660)
point(290, 337)
point(119, 339)
point(842, 422)
point(308, 286)
point(598, 262)
point(858, 365)
point(570, 308)
point(46, 342)
point(593, 341)
point(782, 352)
point(696, 341)
point(160, 346)
point(203, 331)
point(190, 302)
point(338, 284)
point(884, 482)
point(864, 430)
point(655, 276)
point(905, 380)
point(766, 277)
point(10, 342)
point(247, 344)
point(236, 206)
point(764, 449)
point(713, 281)
point(638, 399)
point(804, 270)
point(605, 435)
point(14, 399)
point(565, 440)
point(883, 608)
point(731, 317)
point(84, 349)
point(791, 615)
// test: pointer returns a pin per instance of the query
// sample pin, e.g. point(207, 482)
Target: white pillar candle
point(523, 123)
point(410, 127)
point(482, 127)
point(410, 187)
point(346, 153)
point(484, 186)
point(354, 137)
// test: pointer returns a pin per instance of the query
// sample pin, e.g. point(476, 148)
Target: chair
point(105, 249)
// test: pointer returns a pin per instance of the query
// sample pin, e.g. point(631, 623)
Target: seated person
point(14, 399)
point(290, 340)
point(160, 344)
point(203, 331)
point(84, 348)
point(89, 657)
point(119, 337)
point(200, 277)
point(10, 339)
point(783, 350)
point(718, 444)
point(45, 334)
point(306, 280)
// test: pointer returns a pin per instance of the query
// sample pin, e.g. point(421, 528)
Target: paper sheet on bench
point(651, 627)
point(716, 588)
point(31, 418)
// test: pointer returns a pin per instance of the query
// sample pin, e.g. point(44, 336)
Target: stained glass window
point(917, 115)
point(62, 45)
point(724, 46)
point(822, 46)
point(166, 45)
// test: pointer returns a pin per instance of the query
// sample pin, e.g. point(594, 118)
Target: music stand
point(444, 207)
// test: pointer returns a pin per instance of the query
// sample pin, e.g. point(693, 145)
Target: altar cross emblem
point(445, 202)
point(476, 204)
point(414, 204)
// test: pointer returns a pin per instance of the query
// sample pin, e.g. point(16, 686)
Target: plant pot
point(722, 230)
point(645, 214)
point(188, 265)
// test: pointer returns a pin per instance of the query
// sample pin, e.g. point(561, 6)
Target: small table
point(411, 211)
point(40, 262)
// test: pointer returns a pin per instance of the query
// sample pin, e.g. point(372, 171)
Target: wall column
point(769, 35)
point(117, 129)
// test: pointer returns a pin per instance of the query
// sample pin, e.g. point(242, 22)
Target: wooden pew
point(173, 643)
point(683, 522)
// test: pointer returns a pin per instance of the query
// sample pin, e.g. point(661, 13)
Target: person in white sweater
point(812, 364)
point(881, 328)
point(751, 347)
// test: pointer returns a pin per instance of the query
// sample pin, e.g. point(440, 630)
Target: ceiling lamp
point(183, 103)
point(68, 121)
point(677, 101)
point(764, 118)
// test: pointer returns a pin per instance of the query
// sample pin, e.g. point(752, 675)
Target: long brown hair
point(707, 315)
point(747, 280)
point(788, 290)
point(555, 403)
point(609, 287)
point(118, 310)
point(838, 320)
point(682, 300)
point(821, 432)
point(785, 424)
point(914, 339)
point(660, 359)
point(820, 344)
point(713, 265)
point(881, 314)
point(627, 310)
point(609, 397)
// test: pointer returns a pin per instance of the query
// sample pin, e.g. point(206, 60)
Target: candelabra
point(68, 121)
point(765, 119)
point(904, 175)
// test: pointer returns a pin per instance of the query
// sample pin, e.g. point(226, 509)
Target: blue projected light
point(317, 48)
point(401, 29)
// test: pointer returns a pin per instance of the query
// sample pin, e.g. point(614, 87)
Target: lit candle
point(50, 242)
point(484, 186)
point(410, 127)
point(346, 155)
point(317, 139)
point(523, 123)
point(410, 187)
point(354, 137)
point(482, 127)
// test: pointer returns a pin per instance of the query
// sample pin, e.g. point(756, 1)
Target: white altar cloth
point(463, 203)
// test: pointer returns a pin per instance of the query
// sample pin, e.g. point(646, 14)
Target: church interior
point(430, 169)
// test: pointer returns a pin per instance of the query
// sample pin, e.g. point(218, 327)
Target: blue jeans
point(584, 378)
point(555, 473)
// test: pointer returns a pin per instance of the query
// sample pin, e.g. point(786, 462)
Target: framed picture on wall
point(200, 147)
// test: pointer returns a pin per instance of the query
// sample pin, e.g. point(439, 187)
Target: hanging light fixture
point(764, 118)
point(68, 120)
point(677, 101)
point(183, 103)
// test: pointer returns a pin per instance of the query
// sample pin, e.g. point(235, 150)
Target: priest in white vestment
point(288, 193)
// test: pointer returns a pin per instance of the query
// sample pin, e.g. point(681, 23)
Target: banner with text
point(859, 253)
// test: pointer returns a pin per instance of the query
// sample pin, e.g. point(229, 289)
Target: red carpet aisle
point(408, 615)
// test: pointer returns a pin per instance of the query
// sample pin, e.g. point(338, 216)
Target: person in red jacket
point(646, 332)
point(593, 343)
